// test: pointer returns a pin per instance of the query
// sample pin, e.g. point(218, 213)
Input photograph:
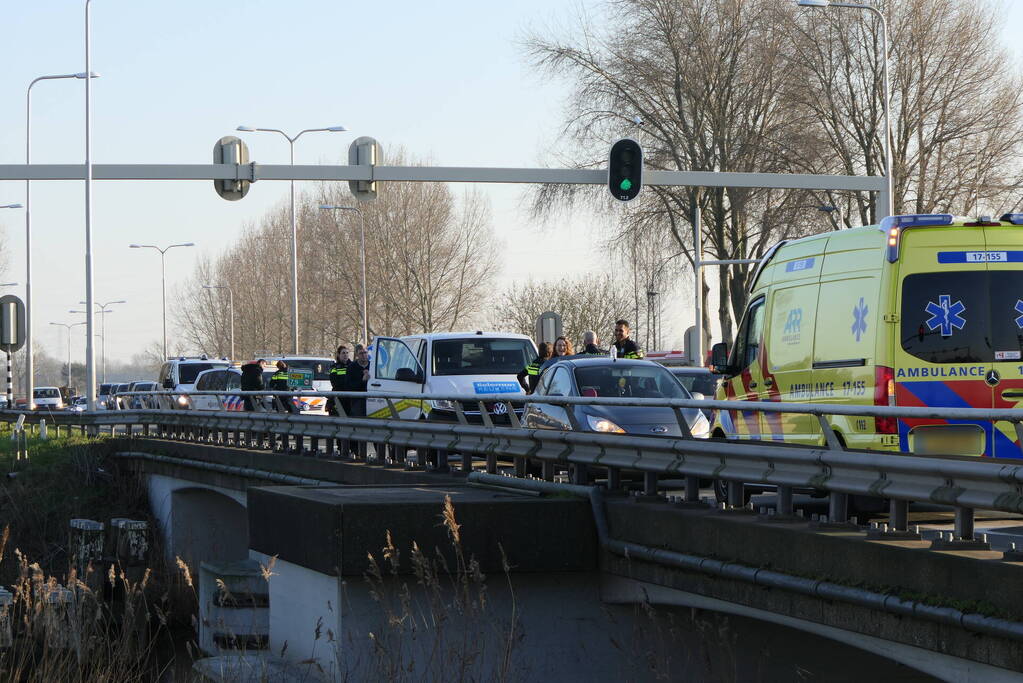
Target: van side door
point(396, 370)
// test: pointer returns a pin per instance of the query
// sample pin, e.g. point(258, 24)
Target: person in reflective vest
point(530, 374)
point(624, 346)
point(279, 382)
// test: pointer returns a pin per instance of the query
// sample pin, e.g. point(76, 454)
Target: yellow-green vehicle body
point(924, 310)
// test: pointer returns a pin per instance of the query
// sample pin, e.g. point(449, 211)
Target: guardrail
point(965, 483)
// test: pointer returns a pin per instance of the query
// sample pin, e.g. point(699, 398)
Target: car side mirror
point(168, 383)
point(719, 357)
point(408, 375)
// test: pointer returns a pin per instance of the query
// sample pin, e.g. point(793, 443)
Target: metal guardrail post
point(466, 462)
point(580, 473)
point(692, 488)
point(547, 470)
point(520, 467)
point(898, 515)
point(614, 479)
point(838, 507)
point(964, 523)
point(491, 462)
point(784, 507)
point(734, 493)
point(650, 483)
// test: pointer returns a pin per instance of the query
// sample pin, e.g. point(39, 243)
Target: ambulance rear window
point(963, 317)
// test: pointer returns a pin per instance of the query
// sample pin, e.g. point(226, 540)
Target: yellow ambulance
point(924, 310)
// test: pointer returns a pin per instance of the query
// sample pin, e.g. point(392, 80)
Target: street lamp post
point(294, 226)
point(163, 281)
point(90, 355)
point(103, 333)
point(68, 326)
point(230, 305)
point(29, 361)
point(884, 208)
point(362, 222)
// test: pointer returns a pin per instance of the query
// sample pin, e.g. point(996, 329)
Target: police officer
point(279, 382)
point(530, 374)
point(338, 374)
point(339, 378)
point(590, 344)
point(624, 346)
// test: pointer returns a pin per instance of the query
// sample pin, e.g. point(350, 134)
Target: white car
point(47, 398)
point(179, 375)
point(447, 363)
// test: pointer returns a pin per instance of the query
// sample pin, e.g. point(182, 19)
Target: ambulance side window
point(747, 348)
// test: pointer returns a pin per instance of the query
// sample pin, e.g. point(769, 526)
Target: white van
point(47, 398)
point(179, 374)
point(447, 363)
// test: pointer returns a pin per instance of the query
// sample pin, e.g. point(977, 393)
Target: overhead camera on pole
point(625, 170)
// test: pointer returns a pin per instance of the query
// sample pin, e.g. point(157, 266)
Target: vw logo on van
point(992, 378)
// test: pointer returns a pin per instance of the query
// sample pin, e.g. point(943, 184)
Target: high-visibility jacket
point(629, 349)
point(338, 377)
point(530, 375)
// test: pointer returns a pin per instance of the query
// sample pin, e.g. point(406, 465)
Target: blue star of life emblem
point(859, 326)
point(946, 315)
point(1019, 309)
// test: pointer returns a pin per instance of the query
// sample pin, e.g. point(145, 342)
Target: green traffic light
point(626, 185)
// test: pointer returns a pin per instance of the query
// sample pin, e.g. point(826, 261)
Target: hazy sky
point(447, 81)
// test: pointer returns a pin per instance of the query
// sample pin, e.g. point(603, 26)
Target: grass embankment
point(105, 625)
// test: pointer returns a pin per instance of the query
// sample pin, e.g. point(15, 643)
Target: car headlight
point(700, 428)
point(443, 405)
point(600, 424)
point(183, 401)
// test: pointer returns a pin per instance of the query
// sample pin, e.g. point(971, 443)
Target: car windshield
point(319, 366)
point(629, 381)
point(481, 356)
point(187, 372)
point(45, 393)
point(963, 317)
point(705, 383)
point(104, 389)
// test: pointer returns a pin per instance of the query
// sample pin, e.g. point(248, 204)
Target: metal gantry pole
point(90, 359)
point(29, 360)
point(294, 258)
point(697, 358)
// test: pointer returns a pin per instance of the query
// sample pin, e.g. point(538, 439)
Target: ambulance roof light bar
point(893, 226)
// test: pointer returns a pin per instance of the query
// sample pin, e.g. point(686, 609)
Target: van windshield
point(963, 317)
point(187, 372)
point(45, 393)
point(481, 356)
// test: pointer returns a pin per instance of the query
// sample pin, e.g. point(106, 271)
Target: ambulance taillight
point(884, 395)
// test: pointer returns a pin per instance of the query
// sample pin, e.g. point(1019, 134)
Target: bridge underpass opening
point(207, 526)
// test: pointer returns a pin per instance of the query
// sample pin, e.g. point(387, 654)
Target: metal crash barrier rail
point(967, 484)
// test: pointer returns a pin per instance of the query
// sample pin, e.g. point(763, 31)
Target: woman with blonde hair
point(562, 347)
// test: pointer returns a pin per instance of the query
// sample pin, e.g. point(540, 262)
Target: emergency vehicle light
point(894, 225)
point(1014, 218)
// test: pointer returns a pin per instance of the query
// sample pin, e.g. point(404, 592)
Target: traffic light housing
point(625, 170)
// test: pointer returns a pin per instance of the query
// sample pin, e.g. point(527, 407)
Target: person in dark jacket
point(624, 346)
point(591, 344)
point(357, 380)
point(530, 375)
point(252, 380)
point(339, 382)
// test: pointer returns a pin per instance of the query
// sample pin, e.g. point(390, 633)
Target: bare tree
point(705, 77)
point(956, 115)
point(429, 254)
point(584, 303)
